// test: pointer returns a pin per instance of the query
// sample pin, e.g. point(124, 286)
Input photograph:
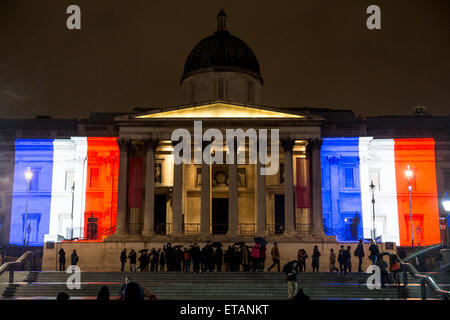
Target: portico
point(229, 200)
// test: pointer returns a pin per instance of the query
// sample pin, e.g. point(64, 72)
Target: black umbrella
point(143, 250)
point(217, 244)
point(241, 244)
point(260, 241)
point(178, 246)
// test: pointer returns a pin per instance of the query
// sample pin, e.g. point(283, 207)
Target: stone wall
point(105, 256)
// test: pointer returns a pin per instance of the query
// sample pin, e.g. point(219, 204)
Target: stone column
point(177, 199)
point(205, 205)
point(121, 228)
point(233, 195)
point(289, 209)
point(149, 206)
point(260, 201)
point(316, 186)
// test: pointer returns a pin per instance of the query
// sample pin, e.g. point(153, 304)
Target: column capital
point(124, 144)
point(287, 143)
point(151, 143)
point(313, 144)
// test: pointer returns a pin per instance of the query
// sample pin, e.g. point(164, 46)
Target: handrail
point(425, 280)
point(10, 265)
point(424, 250)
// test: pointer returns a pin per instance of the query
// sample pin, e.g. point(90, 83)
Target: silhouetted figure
point(341, 260)
point(103, 294)
point(218, 257)
point(62, 259)
point(62, 296)
point(332, 260)
point(359, 252)
point(123, 259)
point(74, 258)
point(315, 259)
point(196, 258)
point(374, 252)
point(349, 260)
point(301, 296)
point(133, 257)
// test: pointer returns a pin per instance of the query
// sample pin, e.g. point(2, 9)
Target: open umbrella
point(261, 241)
point(217, 244)
point(178, 246)
point(143, 250)
point(240, 243)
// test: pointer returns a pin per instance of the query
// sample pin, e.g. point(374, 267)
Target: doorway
point(279, 214)
point(219, 215)
point(160, 214)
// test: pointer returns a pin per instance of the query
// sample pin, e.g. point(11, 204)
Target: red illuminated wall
point(419, 154)
point(102, 184)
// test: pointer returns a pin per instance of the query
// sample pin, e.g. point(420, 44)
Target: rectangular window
point(94, 177)
point(220, 89)
point(69, 180)
point(34, 183)
point(447, 180)
point(348, 176)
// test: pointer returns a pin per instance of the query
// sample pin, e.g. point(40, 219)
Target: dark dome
point(222, 52)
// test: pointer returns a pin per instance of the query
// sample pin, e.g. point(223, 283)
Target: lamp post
point(418, 235)
point(72, 189)
point(372, 187)
point(28, 177)
point(446, 205)
point(408, 175)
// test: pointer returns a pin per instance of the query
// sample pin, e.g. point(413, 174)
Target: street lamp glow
point(28, 175)
point(446, 203)
point(408, 173)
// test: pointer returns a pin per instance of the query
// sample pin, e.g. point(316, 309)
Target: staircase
point(210, 286)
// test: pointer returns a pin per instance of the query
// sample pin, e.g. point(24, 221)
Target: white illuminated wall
point(378, 165)
point(69, 169)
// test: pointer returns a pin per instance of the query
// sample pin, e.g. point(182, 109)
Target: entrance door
point(160, 213)
point(219, 215)
point(279, 213)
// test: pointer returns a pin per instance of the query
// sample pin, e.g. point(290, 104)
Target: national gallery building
point(111, 181)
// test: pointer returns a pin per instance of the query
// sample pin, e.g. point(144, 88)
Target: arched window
point(220, 89)
point(250, 92)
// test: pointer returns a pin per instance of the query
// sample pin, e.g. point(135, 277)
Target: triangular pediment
point(218, 110)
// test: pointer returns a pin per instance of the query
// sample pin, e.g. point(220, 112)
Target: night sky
point(312, 53)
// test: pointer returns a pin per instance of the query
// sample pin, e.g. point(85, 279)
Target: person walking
point(359, 252)
point(133, 257)
point(74, 258)
point(196, 257)
point(275, 253)
point(374, 252)
point(349, 259)
point(62, 260)
point(315, 259)
point(291, 269)
point(123, 259)
point(332, 261)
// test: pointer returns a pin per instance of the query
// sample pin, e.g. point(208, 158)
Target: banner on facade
point(135, 182)
point(302, 189)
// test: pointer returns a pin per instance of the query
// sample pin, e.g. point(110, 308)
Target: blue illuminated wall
point(38, 155)
point(341, 190)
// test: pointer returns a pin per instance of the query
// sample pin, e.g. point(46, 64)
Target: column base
point(148, 233)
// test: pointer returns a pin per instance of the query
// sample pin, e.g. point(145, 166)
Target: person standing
point(301, 258)
point(123, 259)
point(290, 269)
point(255, 257)
point(332, 260)
point(359, 252)
point(374, 252)
point(219, 259)
point(245, 258)
point(196, 257)
point(74, 258)
point(262, 257)
point(186, 260)
point(62, 260)
point(162, 260)
point(133, 257)
point(341, 260)
point(275, 253)
point(315, 259)
point(349, 259)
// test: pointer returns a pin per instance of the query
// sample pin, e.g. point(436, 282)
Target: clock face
point(221, 177)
